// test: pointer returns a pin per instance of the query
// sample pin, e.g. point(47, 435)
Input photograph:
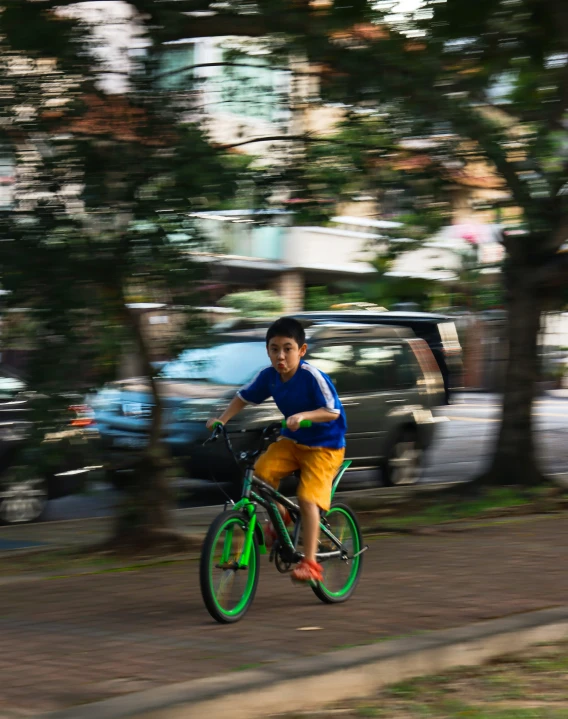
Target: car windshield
point(233, 363)
point(10, 385)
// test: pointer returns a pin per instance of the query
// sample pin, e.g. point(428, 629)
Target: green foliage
point(33, 30)
point(108, 183)
point(321, 298)
point(490, 297)
point(259, 303)
point(392, 290)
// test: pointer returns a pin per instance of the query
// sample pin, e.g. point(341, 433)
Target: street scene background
point(176, 175)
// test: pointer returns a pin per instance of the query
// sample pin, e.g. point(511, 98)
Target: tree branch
point(299, 138)
point(176, 26)
point(171, 73)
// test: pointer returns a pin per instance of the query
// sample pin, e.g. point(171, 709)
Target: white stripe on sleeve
point(324, 387)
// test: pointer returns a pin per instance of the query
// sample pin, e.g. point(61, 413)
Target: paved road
point(461, 450)
point(464, 443)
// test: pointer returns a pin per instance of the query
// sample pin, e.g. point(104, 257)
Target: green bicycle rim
point(249, 587)
point(354, 571)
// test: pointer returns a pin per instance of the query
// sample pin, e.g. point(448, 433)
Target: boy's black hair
point(287, 327)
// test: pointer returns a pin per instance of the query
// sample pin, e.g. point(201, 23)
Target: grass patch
point(506, 689)
point(404, 690)
point(548, 664)
point(504, 686)
point(433, 511)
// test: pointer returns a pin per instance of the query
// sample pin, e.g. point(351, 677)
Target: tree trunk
point(144, 519)
point(514, 460)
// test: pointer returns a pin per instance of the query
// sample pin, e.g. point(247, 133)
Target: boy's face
point(285, 355)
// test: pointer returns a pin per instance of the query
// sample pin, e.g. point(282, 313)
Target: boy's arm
point(323, 396)
point(235, 406)
point(254, 392)
point(315, 415)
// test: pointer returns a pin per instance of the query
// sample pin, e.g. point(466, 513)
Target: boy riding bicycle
point(301, 392)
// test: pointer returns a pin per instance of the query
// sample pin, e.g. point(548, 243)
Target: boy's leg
point(310, 528)
point(277, 462)
point(318, 467)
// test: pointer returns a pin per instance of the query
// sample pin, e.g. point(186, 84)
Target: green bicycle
point(230, 557)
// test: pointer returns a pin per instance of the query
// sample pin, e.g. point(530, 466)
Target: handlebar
point(220, 429)
point(303, 424)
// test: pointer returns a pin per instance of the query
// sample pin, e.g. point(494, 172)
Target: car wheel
point(402, 466)
point(23, 501)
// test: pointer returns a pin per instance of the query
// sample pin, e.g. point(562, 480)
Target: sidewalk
point(194, 520)
point(74, 640)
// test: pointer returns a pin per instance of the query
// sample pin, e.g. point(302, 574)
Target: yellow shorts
point(318, 467)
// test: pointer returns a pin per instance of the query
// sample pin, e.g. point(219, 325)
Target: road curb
point(313, 682)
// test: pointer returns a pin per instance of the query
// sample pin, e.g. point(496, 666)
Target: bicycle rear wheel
point(227, 589)
point(340, 574)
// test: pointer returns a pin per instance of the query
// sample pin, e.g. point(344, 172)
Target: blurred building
point(265, 250)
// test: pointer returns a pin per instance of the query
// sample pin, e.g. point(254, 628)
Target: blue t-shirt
point(309, 389)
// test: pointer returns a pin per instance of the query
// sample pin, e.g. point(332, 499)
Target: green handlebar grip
point(303, 424)
point(217, 424)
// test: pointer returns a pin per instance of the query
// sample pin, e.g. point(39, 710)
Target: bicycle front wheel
point(227, 588)
point(340, 574)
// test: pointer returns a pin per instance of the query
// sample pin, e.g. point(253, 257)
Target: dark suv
point(386, 378)
point(437, 330)
point(46, 449)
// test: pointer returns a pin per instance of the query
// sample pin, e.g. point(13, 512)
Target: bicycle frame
point(250, 499)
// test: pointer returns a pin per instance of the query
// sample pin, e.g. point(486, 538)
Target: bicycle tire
point(211, 596)
point(323, 590)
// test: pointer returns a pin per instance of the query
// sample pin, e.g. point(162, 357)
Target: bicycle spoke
point(339, 573)
point(231, 585)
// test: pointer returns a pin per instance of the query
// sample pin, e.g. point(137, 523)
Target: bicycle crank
point(282, 566)
point(359, 552)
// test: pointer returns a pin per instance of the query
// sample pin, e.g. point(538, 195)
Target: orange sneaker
point(270, 535)
point(307, 571)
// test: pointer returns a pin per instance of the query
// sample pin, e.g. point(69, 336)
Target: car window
point(363, 367)
point(407, 368)
point(232, 363)
point(392, 365)
point(339, 362)
point(380, 360)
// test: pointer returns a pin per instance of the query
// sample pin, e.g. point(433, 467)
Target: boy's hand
point(212, 421)
point(293, 422)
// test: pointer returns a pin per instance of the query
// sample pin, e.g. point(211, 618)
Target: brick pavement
point(80, 639)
